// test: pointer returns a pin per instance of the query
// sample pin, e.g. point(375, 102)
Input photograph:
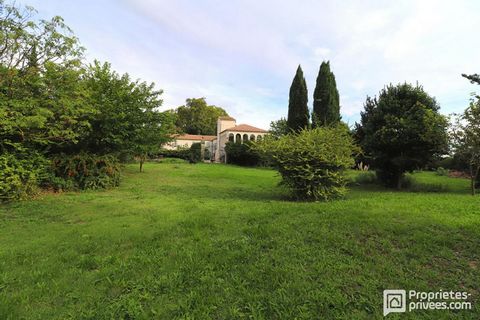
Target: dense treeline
point(54, 105)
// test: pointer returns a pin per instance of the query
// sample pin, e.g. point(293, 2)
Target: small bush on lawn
point(367, 177)
point(312, 162)
point(20, 175)
point(85, 171)
point(195, 155)
point(242, 154)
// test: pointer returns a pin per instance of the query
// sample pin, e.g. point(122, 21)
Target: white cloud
point(242, 55)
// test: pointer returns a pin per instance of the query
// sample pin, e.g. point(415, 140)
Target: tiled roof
point(245, 128)
point(226, 118)
point(195, 137)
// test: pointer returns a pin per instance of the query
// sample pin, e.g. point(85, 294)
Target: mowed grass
point(183, 241)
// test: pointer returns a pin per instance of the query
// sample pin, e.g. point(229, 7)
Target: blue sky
point(242, 54)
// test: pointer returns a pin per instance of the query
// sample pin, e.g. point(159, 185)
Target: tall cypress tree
point(298, 115)
point(326, 101)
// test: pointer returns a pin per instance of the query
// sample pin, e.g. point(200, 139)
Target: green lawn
point(214, 241)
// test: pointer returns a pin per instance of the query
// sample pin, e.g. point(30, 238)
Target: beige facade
point(227, 130)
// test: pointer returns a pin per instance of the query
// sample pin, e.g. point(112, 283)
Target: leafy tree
point(127, 116)
point(298, 115)
point(197, 117)
point(42, 97)
point(401, 131)
point(466, 139)
point(154, 129)
point(279, 128)
point(326, 101)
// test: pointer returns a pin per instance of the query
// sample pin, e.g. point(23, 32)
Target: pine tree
point(298, 115)
point(326, 101)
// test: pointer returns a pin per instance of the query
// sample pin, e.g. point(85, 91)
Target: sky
point(242, 54)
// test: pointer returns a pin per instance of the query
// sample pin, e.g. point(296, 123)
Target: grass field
point(220, 242)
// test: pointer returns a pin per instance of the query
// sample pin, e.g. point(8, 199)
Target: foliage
point(312, 162)
point(298, 115)
point(243, 154)
point(85, 171)
point(466, 139)
point(52, 104)
point(279, 128)
point(326, 100)
point(401, 131)
point(366, 177)
point(195, 154)
point(473, 78)
point(20, 175)
point(197, 117)
point(42, 96)
point(127, 117)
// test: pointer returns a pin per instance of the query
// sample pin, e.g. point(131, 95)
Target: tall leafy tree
point(466, 139)
point(197, 117)
point(401, 131)
point(42, 96)
point(298, 114)
point(127, 117)
point(326, 101)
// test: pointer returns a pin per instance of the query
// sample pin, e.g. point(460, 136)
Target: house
point(227, 130)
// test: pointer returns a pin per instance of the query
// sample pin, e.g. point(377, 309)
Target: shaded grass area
point(215, 241)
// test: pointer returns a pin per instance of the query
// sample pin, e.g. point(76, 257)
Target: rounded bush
point(312, 162)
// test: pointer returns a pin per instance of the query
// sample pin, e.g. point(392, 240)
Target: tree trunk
point(473, 177)
point(474, 180)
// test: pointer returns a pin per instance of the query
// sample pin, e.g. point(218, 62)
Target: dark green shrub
point(20, 175)
point(85, 171)
point(367, 177)
point(242, 154)
point(195, 155)
point(312, 162)
point(207, 154)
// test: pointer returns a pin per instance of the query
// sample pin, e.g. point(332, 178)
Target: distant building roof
point(226, 118)
point(196, 137)
point(245, 128)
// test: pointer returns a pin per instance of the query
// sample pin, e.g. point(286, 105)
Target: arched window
point(252, 137)
point(245, 137)
point(238, 138)
point(231, 137)
point(259, 138)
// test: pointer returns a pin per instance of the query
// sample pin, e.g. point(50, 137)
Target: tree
point(154, 129)
point(127, 116)
point(279, 128)
point(401, 131)
point(326, 101)
point(197, 117)
point(466, 139)
point(298, 115)
point(42, 96)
